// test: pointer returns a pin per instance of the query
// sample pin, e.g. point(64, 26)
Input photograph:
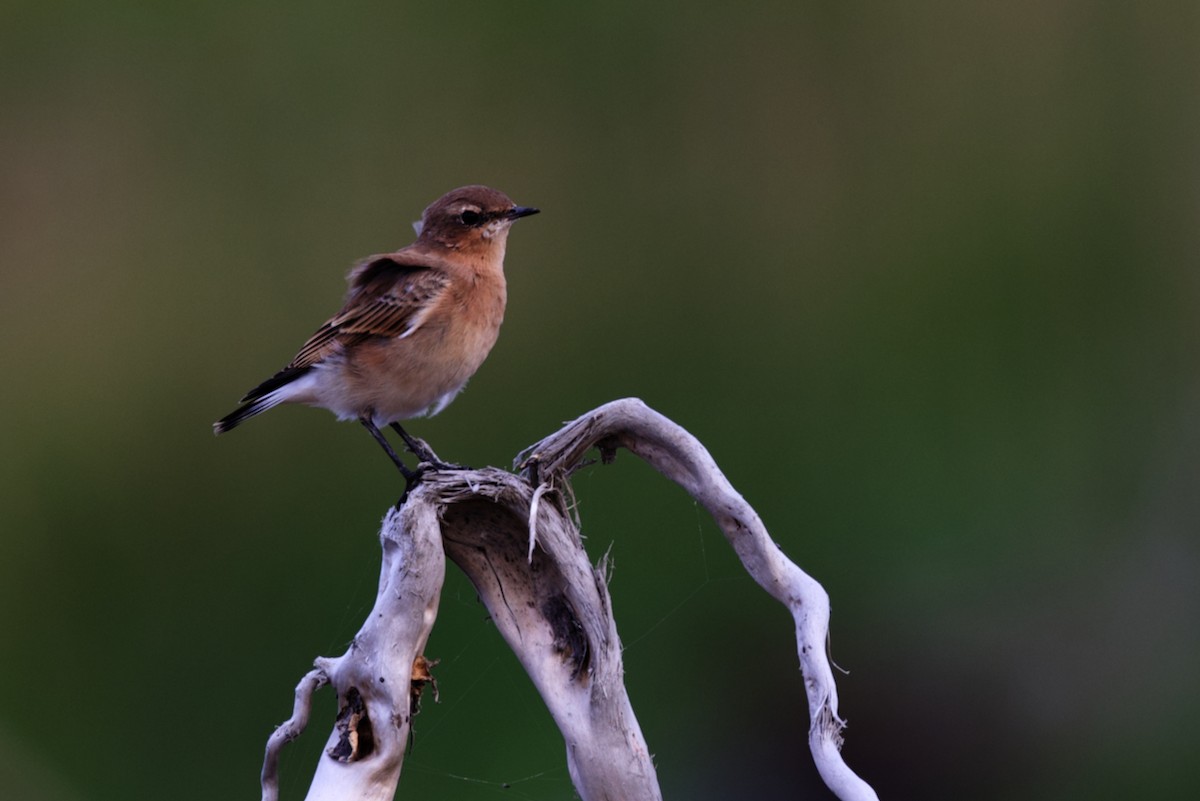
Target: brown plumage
point(415, 326)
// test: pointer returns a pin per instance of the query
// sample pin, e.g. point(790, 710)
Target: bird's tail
point(288, 384)
point(244, 413)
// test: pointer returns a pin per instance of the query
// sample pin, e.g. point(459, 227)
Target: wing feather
point(387, 299)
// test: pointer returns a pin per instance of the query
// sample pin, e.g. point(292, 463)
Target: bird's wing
point(387, 299)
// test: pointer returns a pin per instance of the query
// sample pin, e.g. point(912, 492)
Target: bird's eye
point(470, 217)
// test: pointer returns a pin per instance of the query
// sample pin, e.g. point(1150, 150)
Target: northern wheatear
point(415, 326)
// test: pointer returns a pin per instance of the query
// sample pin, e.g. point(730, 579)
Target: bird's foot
point(440, 465)
point(425, 455)
point(412, 479)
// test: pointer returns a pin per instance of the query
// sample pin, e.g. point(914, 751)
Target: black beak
point(517, 212)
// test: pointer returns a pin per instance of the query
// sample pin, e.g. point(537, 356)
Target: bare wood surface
point(515, 539)
point(631, 424)
point(373, 679)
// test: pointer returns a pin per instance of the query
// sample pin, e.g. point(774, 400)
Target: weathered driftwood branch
point(680, 457)
point(377, 679)
point(514, 538)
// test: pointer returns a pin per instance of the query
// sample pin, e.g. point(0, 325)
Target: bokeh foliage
point(923, 278)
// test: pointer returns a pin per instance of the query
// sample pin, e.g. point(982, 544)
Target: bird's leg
point(411, 477)
point(418, 446)
point(421, 449)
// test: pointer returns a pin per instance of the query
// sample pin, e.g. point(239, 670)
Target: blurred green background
point(923, 278)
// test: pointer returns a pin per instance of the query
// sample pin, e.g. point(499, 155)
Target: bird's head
point(470, 218)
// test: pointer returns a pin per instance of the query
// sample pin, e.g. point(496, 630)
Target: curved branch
point(289, 730)
point(377, 676)
point(631, 424)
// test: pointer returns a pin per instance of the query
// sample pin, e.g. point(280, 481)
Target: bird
point(414, 327)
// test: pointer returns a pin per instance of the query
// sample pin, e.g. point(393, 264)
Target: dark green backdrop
point(922, 277)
